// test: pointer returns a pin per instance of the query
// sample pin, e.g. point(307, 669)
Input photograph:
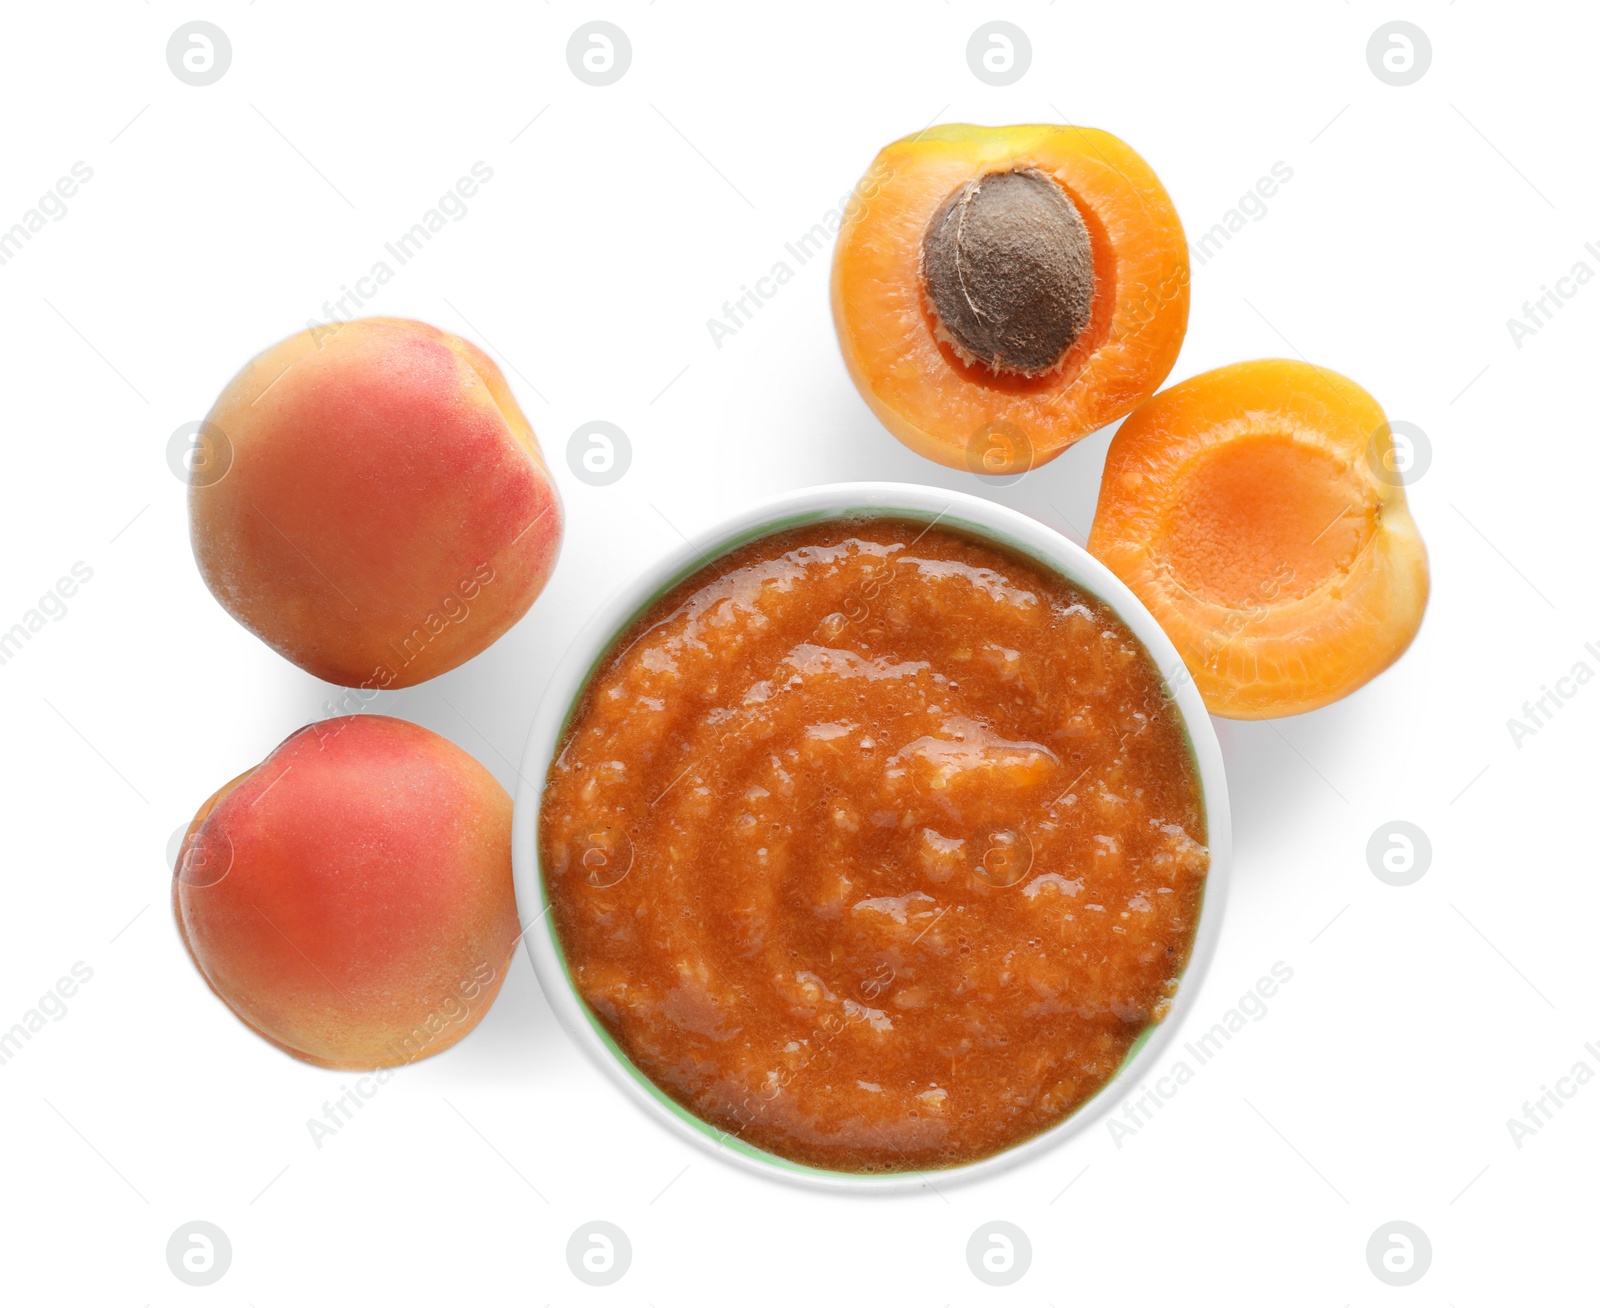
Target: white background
point(219, 219)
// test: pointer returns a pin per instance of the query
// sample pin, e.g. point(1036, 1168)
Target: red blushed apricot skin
point(386, 512)
point(350, 898)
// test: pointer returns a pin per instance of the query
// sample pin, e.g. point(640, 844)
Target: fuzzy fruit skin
point(385, 513)
point(1281, 649)
point(350, 898)
point(961, 415)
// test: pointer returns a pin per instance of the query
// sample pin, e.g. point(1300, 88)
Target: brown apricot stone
point(1008, 270)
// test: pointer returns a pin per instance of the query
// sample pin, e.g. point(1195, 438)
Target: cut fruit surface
point(1255, 512)
point(989, 322)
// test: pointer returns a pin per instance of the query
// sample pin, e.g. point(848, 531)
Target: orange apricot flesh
point(1254, 511)
point(964, 412)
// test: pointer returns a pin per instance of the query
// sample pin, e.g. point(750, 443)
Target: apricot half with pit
point(350, 898)
point(381, 511)
point(1256, 511)
point(1001, 292)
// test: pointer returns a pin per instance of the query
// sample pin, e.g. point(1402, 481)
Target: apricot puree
point(875, 845)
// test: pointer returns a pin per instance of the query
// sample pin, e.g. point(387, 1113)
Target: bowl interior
point(967, 513)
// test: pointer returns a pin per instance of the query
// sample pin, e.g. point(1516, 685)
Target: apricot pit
point(1009, 272)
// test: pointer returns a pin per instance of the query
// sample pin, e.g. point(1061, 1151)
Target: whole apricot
point(374, 504)
point(350, 898)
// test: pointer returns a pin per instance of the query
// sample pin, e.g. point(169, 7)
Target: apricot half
point(1256, 512)
point(1001, 292)
point(350, 898)
point(376, 507)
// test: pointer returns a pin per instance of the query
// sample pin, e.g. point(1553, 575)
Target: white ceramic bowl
point(821, 503)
